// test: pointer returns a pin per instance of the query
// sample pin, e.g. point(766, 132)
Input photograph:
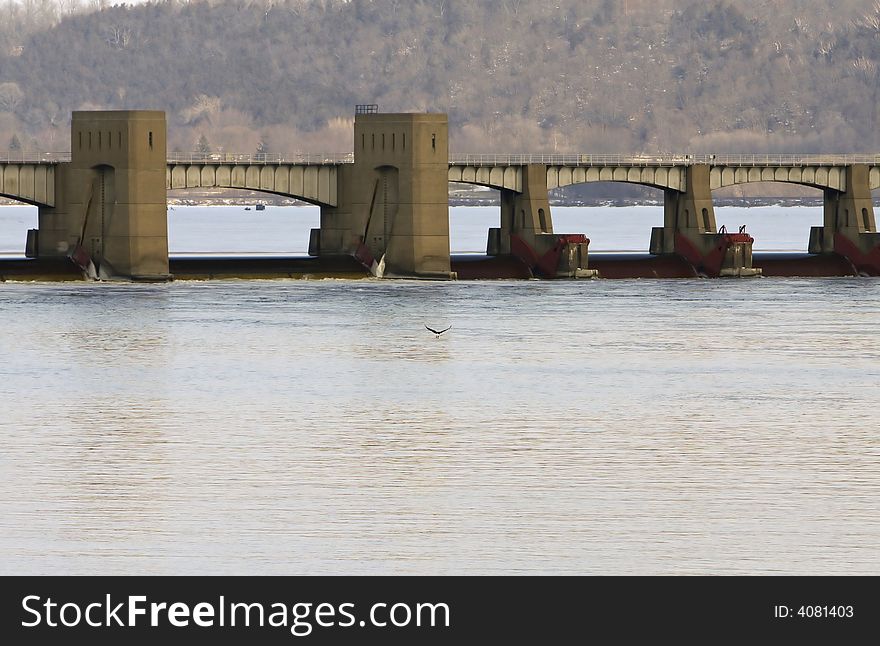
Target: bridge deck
point(313, 177)
point(570, 159)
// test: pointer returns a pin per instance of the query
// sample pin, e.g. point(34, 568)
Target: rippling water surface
point(270, 427)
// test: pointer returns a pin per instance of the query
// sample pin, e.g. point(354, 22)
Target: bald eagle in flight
point(438, 332)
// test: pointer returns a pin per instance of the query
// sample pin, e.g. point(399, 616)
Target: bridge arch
point(25, 200)
point(32, 184)
point(662, 177)
point(558, 176)
point(312, 183)
point(820, 177)
point(498, 177)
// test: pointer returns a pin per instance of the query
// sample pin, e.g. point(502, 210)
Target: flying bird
point(438, 332)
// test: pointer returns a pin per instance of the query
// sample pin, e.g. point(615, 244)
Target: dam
point(384, 208)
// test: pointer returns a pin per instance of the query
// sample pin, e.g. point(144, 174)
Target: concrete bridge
point(32, 182)
point(663, 172)
point(690, 228)
point(311, 178)
point(386, 203)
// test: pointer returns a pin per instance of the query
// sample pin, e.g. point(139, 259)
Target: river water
point(312, 427)
point(285, 230)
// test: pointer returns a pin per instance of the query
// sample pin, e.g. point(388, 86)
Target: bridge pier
point(110, 213)
point(850, 228)
point(526, 231)
point(392, 212)
point(690, 230)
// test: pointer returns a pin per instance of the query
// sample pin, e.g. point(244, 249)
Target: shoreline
point(494, 201)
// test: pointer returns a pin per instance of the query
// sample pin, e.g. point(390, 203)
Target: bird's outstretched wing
point(438, 332)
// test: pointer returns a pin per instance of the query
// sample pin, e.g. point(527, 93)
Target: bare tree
point(11, 97)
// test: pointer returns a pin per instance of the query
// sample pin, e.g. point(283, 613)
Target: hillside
point(514, 75)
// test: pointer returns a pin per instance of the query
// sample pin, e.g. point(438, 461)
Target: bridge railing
point(792, 160)
point(491, 159)
point(572, 159)
point(261, 158)
point(28, 157)
point(567, 159)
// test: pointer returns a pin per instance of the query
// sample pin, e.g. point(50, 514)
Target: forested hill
point(514, 75)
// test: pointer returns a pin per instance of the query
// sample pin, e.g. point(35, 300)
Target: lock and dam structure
point(102, 211)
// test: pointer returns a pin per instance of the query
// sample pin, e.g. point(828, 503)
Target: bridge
point(386, 204)
point(310, 178)
point(30, 177)
point(32, 182)
point(662, 171)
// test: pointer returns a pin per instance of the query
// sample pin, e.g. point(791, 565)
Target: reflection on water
point(559, 427)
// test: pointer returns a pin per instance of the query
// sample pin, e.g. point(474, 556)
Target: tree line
point(622, 76)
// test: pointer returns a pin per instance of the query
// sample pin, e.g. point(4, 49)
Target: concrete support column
point(526, 213)
point(691, 213)
point(342, 230)
point(690, 230)
point(56, 232)
point(111, 211)
point(850, 228)
point(526, 231)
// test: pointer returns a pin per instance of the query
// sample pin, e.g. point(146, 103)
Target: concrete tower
point(111, 204)
point(393, 201)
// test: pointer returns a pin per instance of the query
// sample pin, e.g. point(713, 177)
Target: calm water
point(685, 426)
point(232, 229)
